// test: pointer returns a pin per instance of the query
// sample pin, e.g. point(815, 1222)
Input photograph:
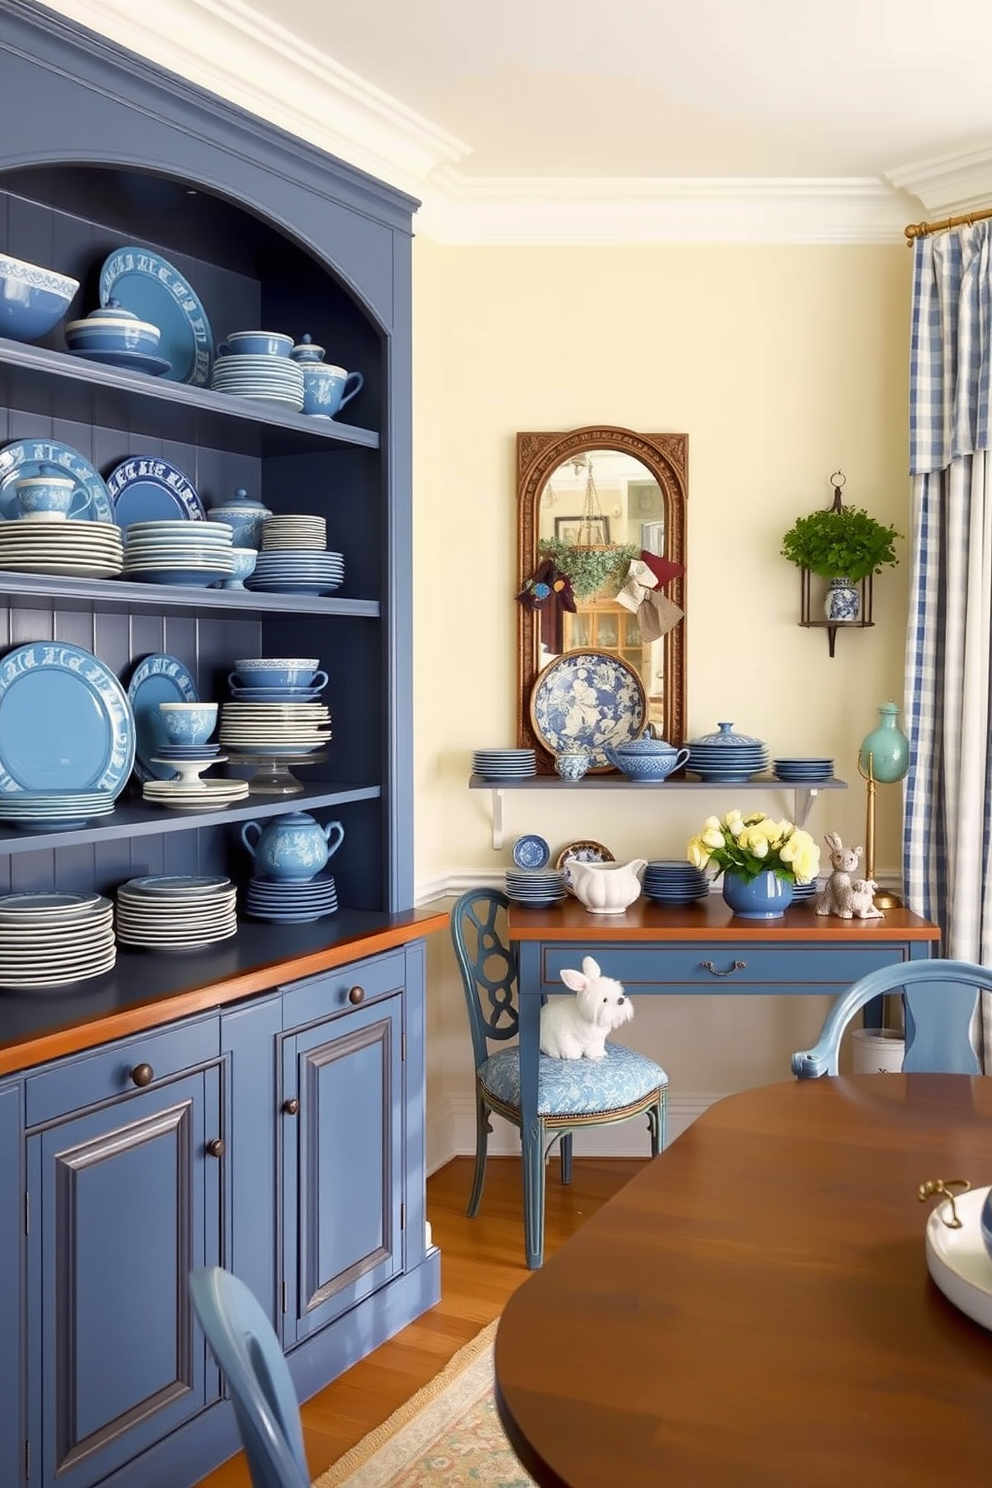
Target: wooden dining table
point(754, 1308)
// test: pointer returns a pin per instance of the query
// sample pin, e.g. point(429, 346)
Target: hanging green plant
point(840, 542)
point(589, 569)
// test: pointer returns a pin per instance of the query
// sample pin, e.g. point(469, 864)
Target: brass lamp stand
point(883, 898)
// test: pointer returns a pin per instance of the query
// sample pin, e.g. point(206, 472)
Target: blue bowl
point(258, 671)
point(136, 335)
point(256, 343)
point(32, 300)
point(187, 723)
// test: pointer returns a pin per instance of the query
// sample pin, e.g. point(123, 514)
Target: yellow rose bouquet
point(755, 844)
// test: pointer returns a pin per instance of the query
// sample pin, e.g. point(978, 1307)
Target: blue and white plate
point(156, 679)
point(531, 851)
point(178, 885)
point(590, 698)
point(65, 722)
point(148, 284)
point(34, 457)
point(144, 488)
point(133, 361)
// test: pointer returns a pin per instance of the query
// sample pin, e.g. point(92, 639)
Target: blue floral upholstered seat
point(571, 1092)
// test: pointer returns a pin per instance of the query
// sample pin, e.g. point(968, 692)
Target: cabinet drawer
point(725, 966)
point(337, 991)
point(90, 1078)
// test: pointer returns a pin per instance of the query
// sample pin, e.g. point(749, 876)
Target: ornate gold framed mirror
point(589, 501)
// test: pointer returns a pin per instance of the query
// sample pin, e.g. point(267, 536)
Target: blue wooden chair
point(571, 1092)
point(257, 1375)
point(939, 999)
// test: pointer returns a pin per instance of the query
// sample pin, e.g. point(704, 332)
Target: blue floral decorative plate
point(531, 852)
point(591, 698)
point(148, 284)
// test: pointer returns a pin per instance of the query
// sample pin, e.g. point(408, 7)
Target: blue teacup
point(327, 389)
point(256, 343)
point(44, 497)
point(260, 671)
point(187, 723)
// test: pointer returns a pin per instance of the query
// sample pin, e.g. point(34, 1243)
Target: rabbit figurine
point(863, 900)
point(836, 895)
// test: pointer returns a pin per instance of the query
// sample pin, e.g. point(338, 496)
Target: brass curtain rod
point(923, 229)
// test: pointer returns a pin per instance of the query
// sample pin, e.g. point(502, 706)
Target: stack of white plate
point(49, 939)
point(297, 571)
point(273, 379)
point(274, 728)
point(85, 550)
point(175, 912)
point(54, 811)
point(194, 795)
point(537, 887)
point(165, 552)
point(293, 532)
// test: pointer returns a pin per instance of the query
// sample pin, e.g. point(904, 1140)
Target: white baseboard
point(451, 1131)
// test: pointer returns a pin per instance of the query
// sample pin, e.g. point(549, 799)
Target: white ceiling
point(672, 87)
point(612, 120)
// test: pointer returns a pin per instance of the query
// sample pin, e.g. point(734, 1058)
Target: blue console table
point(701, 949)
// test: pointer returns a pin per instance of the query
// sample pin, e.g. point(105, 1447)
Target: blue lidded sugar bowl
point(292, 847)
point(244, 516)
point(326, 388)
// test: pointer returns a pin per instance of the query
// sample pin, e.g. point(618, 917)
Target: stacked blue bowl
point(674, 883)
point(803, 771)
point(726, 758)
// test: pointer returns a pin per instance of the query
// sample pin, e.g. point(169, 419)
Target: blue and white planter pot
point(843, 601)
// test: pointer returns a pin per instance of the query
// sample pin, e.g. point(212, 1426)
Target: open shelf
point(139, 818)
point(803, 795)
point(70, 387)
point(36, 591)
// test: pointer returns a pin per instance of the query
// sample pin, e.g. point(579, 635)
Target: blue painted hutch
point(259, 1105)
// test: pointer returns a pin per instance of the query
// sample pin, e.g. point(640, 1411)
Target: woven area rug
point(446, 1436)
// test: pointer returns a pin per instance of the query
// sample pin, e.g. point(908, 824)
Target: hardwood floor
point(481, 1267)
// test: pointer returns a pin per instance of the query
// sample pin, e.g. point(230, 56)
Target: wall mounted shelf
point(803, 796)
point(806, 607)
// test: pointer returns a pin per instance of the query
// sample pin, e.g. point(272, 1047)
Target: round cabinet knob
point(142, 1074)
point(356, 995)
point(217, 1147)
point(291, 1106)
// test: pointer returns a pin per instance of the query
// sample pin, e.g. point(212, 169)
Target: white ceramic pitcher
point(606, 888)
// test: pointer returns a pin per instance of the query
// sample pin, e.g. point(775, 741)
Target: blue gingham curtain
point(946, 865)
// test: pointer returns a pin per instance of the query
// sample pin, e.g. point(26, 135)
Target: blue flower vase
point(766, 897)
point(843, 601)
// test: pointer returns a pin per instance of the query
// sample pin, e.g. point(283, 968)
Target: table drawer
point(725, 966)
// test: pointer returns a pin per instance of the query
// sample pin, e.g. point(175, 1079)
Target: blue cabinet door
point(12, 1428)
point(342, 1165)
point(124, 1202)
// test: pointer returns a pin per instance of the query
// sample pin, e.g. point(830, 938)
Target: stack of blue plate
point(289, 902)
point(535, 887)
point(725, 757)
point(804, 891)
point(803, 771)
point(297, 571)
point(273, 379)
point(674, 883)
point(504, 764)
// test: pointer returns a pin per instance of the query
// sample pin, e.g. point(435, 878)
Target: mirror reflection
point(598, 505)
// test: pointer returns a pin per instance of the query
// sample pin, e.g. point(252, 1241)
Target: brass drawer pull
point(217, 1147)
point(737, 966)
point(142, 1074)
point(356, 995)
point(291, 1106)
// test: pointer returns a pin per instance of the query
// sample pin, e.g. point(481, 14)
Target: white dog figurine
point(573, 1027)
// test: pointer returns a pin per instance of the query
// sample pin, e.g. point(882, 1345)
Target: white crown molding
point(247, 59)
point(948, 184)
point(457, 210)
point(235, 52)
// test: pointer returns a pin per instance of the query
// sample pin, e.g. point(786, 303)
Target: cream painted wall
point(782, 364)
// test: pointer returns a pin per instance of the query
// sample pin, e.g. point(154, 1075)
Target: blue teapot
point(294, 847)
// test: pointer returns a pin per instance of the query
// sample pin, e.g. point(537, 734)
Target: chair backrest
point(488, 967)
point(257, 1375)
point(940, 1001)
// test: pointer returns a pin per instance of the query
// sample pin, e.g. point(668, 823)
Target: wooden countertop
point(710, 920)
point(149, 988)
